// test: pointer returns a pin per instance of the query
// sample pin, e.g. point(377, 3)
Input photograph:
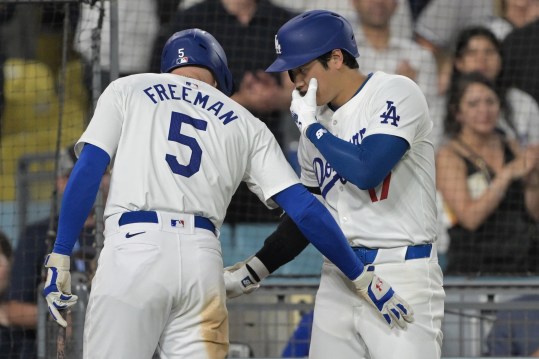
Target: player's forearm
point(21, 314)
point(532, 201)
point(79, 196)
point(473, 214)
point(283, 245)
point(364, 165)
point(319, 227)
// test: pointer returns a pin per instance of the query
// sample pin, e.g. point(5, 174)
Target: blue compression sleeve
point(364, 165)
point(317, 224)
point(79, 196)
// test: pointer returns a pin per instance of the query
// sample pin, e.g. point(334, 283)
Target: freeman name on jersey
point(159, 93)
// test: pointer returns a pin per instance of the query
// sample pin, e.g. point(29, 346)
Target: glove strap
point(60, 261)
point(257, 269)
point(365, 278)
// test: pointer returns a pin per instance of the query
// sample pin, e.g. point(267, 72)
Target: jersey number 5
point(174, 134)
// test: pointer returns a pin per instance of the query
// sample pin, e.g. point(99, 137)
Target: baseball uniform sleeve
point(308, 176)
point(105, 127)
point(399, 109)
point(268, 172)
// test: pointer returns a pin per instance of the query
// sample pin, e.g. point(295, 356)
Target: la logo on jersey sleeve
point(390, 114)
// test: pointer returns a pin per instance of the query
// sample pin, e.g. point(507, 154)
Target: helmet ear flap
point(195, 47)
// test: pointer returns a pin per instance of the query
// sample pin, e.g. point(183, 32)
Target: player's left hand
point(57, 291)
point(238, 280)
point(244, 277)
point(379, 293)
point(303, 108)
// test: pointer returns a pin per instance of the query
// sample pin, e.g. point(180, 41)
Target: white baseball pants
point(346, 327)
point(158, 285)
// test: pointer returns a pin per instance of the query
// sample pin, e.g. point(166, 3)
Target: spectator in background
point(439, 23)
point(521, 68)
point(477, 49)
point(515, 14)
point(5, 268)
point(28, 265)
point(401, 21)
point(138, 28)
point(382, 48)
point(416, 7)
point(246, 28)
point(515, 332)
point(385, 49)
point(490, 185)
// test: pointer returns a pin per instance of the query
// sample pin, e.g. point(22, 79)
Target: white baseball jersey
point(180, 150)
point(401, 211)
point(180, 145)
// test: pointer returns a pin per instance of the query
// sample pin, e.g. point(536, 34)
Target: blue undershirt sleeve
point(365, 165)
point(79, 196)
point(317, 224)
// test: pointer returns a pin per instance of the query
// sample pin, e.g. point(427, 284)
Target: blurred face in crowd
point(520, 12)
point(5, 266)
point(478, 109)
point(375, 13)
point(482, 56)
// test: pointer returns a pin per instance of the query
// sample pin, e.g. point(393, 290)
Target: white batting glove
point(380, 294)
point(57, 291)
point(238, 279)
point(303, 108)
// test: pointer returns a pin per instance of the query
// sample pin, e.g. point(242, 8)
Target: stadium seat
point(15, 146)
point(75, 87)
point(29, 94)
point(31, 115)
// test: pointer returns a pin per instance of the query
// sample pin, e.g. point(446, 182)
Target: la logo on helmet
point(277, 46)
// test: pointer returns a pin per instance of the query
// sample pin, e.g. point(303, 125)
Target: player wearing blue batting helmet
point(310, 35)
point(195, 47)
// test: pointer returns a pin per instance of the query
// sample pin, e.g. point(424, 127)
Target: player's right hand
point(57, 291)
point(303, 108)
point(379, 293)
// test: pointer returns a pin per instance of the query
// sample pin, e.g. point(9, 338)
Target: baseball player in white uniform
point(180, 148)
point(364, 149)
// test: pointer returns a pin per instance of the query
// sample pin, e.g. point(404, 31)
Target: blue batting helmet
point(310, 35)
point(195, 47)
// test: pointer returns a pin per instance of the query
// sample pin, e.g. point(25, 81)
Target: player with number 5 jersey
point(365, 150)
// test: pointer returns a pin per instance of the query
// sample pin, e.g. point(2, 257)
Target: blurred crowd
point(475, 61)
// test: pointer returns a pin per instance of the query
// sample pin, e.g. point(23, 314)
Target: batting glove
point(57, 291)
point(239, 280)
point(380, 294)
point(303, 108)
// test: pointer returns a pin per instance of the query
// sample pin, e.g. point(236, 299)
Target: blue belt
point(368, 255)
point(151, 217)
